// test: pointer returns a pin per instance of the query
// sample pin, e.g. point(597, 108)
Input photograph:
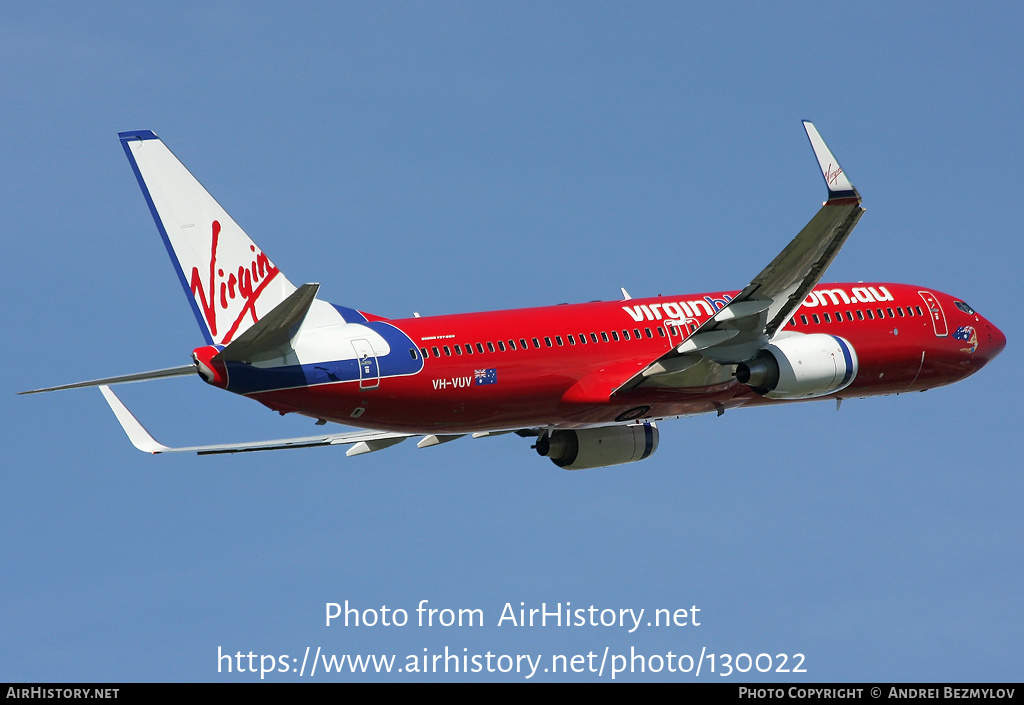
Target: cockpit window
point(963, 307)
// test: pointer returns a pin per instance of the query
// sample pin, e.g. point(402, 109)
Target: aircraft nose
point(994, 341)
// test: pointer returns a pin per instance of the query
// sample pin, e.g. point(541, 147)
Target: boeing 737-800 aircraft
point(587, 382)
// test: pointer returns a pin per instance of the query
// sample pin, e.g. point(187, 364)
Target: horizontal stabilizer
point(123, 379)
point(271, 336)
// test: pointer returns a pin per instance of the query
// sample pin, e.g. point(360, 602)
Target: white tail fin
point(230, 282)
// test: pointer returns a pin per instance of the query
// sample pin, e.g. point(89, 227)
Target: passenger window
point(604, 336)
point(437, 353)
point(458, 350)
point(860, 314)
point(423, 351)
point(522, 343)
point(816, 319)
point(501, 346)
point(490, 346)
point(547, 341)
point(536, 343)
point(447, 351)
point(469, 348)
point(480, 348)
point(558, 339)
point(648, 332)
point(803, 319)
point(615, 336)
point(593, 337)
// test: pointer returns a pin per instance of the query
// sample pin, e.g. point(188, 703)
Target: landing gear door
point(935, 311)
point(369, 372)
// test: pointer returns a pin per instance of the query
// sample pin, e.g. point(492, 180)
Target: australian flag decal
point(485, 376)
point(969, 336)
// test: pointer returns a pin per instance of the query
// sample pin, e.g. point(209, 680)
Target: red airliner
point(586, 382)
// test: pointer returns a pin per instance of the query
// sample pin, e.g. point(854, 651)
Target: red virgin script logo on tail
point(246, 284)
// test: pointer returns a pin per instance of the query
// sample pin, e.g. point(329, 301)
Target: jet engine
point(599, 447)
point(800, 367)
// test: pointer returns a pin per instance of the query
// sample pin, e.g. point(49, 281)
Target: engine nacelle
point(599, 447)
point(801, 367)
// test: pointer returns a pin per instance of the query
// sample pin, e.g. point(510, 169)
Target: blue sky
point(445, 157)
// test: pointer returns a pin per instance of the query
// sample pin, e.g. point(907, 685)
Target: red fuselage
point(557, 366)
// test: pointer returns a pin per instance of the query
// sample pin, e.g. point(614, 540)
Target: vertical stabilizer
point(229, 281)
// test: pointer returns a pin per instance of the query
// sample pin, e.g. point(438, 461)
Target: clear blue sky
point(443, 157)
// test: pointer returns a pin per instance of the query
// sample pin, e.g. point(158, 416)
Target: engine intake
point(599, 447)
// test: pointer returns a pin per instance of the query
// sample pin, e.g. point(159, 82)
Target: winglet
point(138, 435)
point(840, 190)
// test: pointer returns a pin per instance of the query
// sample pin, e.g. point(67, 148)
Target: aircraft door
point(675, 332)
point(935, 311)
point(369, 371)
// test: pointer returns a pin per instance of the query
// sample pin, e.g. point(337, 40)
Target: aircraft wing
point(746, 324)
point(361, 441)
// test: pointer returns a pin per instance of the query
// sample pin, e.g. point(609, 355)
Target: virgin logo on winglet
point(831, 176)
point(245, 284)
